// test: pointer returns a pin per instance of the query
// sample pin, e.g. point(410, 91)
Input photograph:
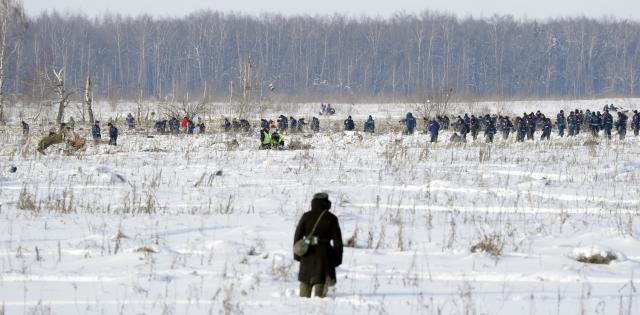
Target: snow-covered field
point(204, 224)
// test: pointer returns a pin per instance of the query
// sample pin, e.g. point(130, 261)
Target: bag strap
point(316, 225)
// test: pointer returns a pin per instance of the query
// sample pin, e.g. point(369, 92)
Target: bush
point(491, 244)
point(597, 256)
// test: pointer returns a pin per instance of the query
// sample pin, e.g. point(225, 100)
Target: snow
point(151, 226)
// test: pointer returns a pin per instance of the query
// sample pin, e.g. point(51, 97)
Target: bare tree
point(88, 98)
point(435, 103)
point(12, 25)
point(56, 84)
point(246, 83)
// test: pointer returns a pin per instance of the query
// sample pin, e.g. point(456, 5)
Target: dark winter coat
point(434, 128)
point(321, 260)
point(315, 124)
point(283, 123)
point(113, 133)
point(410, 122)
point(95, 132)
point(370, 125)
point(349, 125)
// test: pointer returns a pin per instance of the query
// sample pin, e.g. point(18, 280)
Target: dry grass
point(26, 201)
point(598, 258)
point(492, 244)
point(298, 145)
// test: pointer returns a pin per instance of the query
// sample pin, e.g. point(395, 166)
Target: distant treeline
point(328, 56)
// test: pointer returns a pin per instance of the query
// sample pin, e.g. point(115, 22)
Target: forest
point(316, 58)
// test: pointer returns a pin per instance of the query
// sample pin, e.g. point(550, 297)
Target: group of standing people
point(409, 122)
point(272, 132)
point(176, 126)
point(96, 133)
point(524, 127)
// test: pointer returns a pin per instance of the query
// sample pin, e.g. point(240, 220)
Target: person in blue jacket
point(96, 134)
point(410, 124)
point(490, 130)
point(561, 123)
point(434, 129)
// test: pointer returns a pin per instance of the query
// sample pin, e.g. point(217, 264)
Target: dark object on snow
point(50, 140)
point(218, 173)
point(13, 169)
point(598, 258)
point(317, 267)
point(25, 128)
point(327, 110)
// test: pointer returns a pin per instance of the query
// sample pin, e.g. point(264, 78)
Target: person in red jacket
point(184, 123)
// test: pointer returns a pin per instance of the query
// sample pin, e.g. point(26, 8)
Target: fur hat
point(320, 201)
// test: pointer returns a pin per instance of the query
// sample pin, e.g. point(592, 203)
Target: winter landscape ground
point(204, 224)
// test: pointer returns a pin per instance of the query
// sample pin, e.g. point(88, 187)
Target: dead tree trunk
point(245, 85)
point(88, 98)
point(61, 93)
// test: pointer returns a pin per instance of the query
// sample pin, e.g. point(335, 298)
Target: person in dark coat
point(190, 126)
point(474, 126)
point(531, 126)
point(318, 266)
point(245, 126)
point(621, 125)
point(594, 124)
point(561, 122)
point(546, 129)
point(607, 124)
point(113, 134)
point(506, 125)
point(96, 133)
point(235, 125)
point(349, 125)
point(490, 130)
point(434, 128)
point(522, 128)
point(571, 123)
point(635, 122)
point(410, 124)
point(283, 123)
point(579, 121)
point(370, 125)
point(160, 126)
point(174, 125)
point(315, 124)
point(226, 125)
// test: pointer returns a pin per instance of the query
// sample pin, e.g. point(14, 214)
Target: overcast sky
point(629, 9)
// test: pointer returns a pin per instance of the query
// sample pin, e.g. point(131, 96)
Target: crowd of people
point(272, 132)
point(175, 126)
point(524, 127)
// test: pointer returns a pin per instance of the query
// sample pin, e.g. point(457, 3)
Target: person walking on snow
point(321, 230)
